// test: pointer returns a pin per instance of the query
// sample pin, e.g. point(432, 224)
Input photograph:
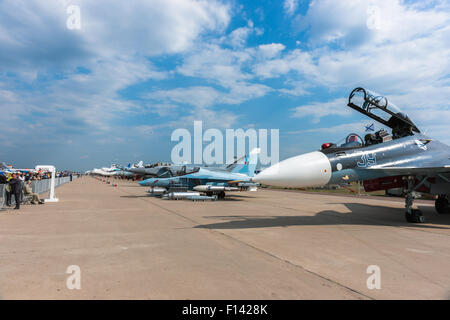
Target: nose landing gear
point(415, 216)
point(412, 215)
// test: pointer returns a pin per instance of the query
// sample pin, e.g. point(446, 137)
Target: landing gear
point(442, 205)
point(221, 195)
point(415, 216)
point(412, 215)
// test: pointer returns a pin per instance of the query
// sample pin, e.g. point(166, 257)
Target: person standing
point(8, 190)
point(21, 177)
point(16, 189)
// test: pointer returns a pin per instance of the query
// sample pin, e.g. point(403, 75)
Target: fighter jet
point(125, 172)
point(406, 159)
point(115, 170)
point(153, 170)
point(104, 171)
point(10, 169)
point(209, 180)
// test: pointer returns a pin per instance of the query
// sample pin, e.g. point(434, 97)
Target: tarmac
point(269, 244)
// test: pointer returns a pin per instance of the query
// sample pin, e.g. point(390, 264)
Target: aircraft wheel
point(221, 195)
point(415, 216)
point(441, 204)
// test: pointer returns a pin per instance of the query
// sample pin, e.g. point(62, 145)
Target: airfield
point(269, 244)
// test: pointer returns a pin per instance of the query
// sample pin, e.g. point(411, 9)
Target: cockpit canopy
point(354, 141)
point(157, 164)
point(380, 109)
point(176, 171)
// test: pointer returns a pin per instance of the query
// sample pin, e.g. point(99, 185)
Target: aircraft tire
point(415, 217)
point(442, 206)
point(221, 195)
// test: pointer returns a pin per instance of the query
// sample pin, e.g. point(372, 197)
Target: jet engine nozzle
point(308, 170)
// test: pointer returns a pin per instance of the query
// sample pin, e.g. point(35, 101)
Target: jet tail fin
point(247, 164)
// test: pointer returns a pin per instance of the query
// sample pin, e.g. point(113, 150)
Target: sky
point(114, 89)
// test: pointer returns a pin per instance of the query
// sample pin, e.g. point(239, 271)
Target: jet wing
point(431, 171)
point(433, 160)
point(430, 164)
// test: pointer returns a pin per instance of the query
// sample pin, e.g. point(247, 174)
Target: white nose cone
point(307, 170)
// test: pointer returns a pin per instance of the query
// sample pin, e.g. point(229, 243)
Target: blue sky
point(114, 90)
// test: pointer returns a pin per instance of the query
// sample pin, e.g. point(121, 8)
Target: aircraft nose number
point(367, 160)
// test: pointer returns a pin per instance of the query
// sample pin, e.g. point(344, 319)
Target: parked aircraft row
point(115, 170)
point(10, 169)
point(183, 181)
point(404, 159)
point(212, 181)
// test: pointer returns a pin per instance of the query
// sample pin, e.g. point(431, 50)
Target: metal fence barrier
point(2, 195)
point(39, 187)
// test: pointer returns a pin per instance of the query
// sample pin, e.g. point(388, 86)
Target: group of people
point(19, 184)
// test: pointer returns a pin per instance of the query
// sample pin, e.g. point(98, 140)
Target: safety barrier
point(2, 195)
point(42, 186)
point(39, 187)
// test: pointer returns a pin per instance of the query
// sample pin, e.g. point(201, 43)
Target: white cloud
point(354, 23)
point(151, 27)
point(35, 31)
point(121, 44)
point(210, 118)
point(225, 68)
point(297, 60)
point(216, 64)
point(164, 110)
point(295, 88)
point(200, 97)
point(114, 45)
point(203, 97)
point(241, 92)
point(238, 37)
point(322, 109)
point(339, 130)
point(408, 56)
point(271, 50)
point(429, 108)
point(290, 6)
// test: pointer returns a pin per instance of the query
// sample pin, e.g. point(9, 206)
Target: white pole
point(52, 170)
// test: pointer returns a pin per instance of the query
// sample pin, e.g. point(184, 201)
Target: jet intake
point(394, 182)
point(384, 183)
